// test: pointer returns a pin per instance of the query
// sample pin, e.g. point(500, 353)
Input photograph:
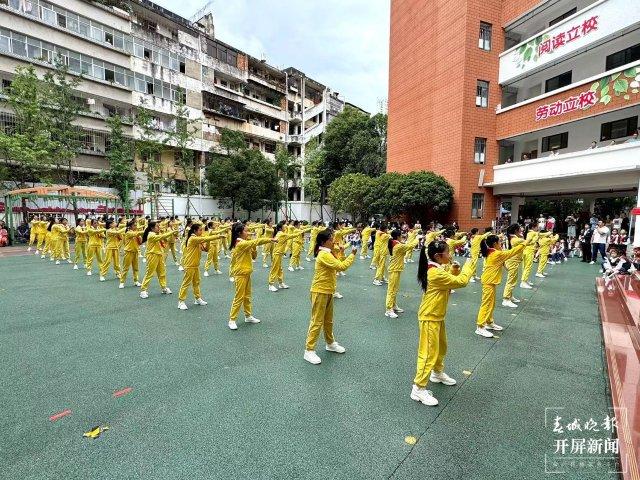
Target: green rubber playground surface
point(210, 403)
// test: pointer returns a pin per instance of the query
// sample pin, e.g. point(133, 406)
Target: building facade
point(510, 96)
point(153, 57)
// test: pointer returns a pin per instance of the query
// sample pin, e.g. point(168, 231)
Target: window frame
point(484, 40)
point(480, 88)
point(631, 127)
point(477, 205)
point(546, 142)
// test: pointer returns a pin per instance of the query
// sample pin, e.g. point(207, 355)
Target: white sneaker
point(337, 295)
point(273, 288)
point(372, 267)
point(508, 303)
point(483, 332)
point(177, 264)
point(377, 282)
point(300, 267)
point(515, 300)
point(102, 279)
point(37, 252)
point(591, 263)
point(264, 265)
point(89, 273)
point(335, 347)
point(493, 326)
point(565, 259)
point(29, 249)
point(42, 256)
point(525, 286)
point(69, 261)
point(232, 279)
point(472, 280)
point(182, 306)
point(144, 260)
point(361, 257)
point(137, 284)
point(144, 294)
point(121, 285)
point(57, 262)
point(539, 275)
point(206, 273)
point(397, 309)
point(423, 396)
point(251, 319)
point(390, 314)
point(311, 357)
point(441, 378)
point(167, 291)
point(218, 272)
point(308, 259)
point(232, 325)
point(284, 286)
point(181, 268)
point(342, 274)
point(199, 301)
point(75, 267)
point(291, 269)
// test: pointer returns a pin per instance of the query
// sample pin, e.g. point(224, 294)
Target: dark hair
point(322, 237)
point(395, 234)
point(278, 227)
point(145, 235)
point(488, 243)
point(473, 231)
point(511, 230)
point(109, 223)
point(449, 232)
point(51, 222)
point(236, 230)
point(428, 253)
point(192, 229)
point(130, 224)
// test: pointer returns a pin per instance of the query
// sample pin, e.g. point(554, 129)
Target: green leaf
point(615, 75)
point(621, 85)
point(522, 48)
point(631, 73)
point(626, 97)
point(527, 54)
point(538, 41)
point(594, 87)
point(605, 90)
point(604, 81)
point(605, 99)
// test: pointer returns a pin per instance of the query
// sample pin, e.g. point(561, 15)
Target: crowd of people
point(120, 245)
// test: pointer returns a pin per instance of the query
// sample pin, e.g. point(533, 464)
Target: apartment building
point(510, 96)
point(150, 56)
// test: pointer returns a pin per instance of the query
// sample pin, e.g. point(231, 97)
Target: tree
point(287, 167)
point(232, 140)
point(149, 147)
point(425, 195)
point(27, 146)
point(385, 196)
point(120, 156)
point(348, 194)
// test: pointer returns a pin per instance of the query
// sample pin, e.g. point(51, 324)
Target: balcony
point(592, 26)
point(262, 132)
point(607, 169)
point(267, 81)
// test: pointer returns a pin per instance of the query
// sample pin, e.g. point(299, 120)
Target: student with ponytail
point(514, 238)
point(322, 289)
point(94, 246)
point(495, 259)
point(267, 248)
point(398, 251)
point(155, 258)
point(545, 241)
point(194, 244)
point(132, 240)
point(437, 277)
point(243, 252)
point(276, 274)
point(365, 235)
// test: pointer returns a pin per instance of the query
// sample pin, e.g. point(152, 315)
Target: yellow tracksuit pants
point(312, 246)
point(266, 252)
point(65, 249)
point(80, 251)
point(512, 279)
point(191, 278)
point(111, 258)
point(276, 275)
point(94, 252)
point(212, 257)
point(172, 248)
point(155, 267)
point(392, 289)
point(321, 319)
point(40, 239)
point(364, 248)
point(32, 237)
point(432, 348)
point(408, 256)
point(527, 265)
point(487, 304)
point(129, 261)
point(242, 297)
point(542, 263)
point(56, 251)
point(296, 253)
point(381, 267)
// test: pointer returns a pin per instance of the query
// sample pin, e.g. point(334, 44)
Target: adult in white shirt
point(616, 223)
point(599, 241)
point(542, 222)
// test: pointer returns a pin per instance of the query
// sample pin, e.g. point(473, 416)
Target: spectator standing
point(571, 227)
point(585, 243)
point(625, 222)
point(616, 223)
point(542, 222)
point(599, 241)
point(593, 221)
point(551, 223)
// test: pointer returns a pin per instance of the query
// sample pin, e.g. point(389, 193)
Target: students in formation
point(100, 241)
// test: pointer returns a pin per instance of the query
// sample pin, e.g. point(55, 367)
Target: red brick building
point(468, 79)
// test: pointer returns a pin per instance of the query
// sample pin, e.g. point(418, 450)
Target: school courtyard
point(184, 397)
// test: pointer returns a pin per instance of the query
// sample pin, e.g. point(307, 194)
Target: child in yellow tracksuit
point(194, 244)
point(243, 252)
point(112, 250)
point(64, 240)
point(455, 240)
point(155, 258)
point(413, 233)
point(41, 234)
point(214, 247)
point(528, 254)
point(438, 278)
point(296, 246)
point(33, 232)
point(56, 241)
point(514, 238)
point(380, 253)
point(495, 259)
point(132, 239)
point(322, 289)
point(276, 274)
point(94, 245)
point(315, 228)
point(545, 243)
point(267, 248)
point(80, 247)
point(476, 239)
point(365, 235)
point(398, 253)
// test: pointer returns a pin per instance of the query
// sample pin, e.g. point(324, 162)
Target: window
point(553, 142)
point(108, 37)
point(558, 81)
point(484, 42)
point(6, 84)
point(150, 88)
point(480, 150)
point(109, 75)
point(477, 205)
point(618, 128)
point(628, 55)
point(182, 67)
point(482, 94)
point(563, 16)
point(146, 53)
